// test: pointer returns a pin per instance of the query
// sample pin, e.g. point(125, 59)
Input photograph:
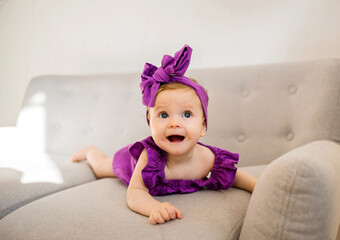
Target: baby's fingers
point(174, 212)
point(156, 218)
point(165, 214)
point(178, 213)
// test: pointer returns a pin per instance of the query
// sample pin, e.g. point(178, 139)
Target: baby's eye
point(163, 115)
point(187, 114)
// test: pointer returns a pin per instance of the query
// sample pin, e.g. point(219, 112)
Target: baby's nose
point(174, 122)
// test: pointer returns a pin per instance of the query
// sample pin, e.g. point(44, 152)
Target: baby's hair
point(174, 86)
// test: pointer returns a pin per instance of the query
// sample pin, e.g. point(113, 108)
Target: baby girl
point(171, 160)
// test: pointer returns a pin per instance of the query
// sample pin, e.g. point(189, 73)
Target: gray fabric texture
point(297, 196)
point(98, 210)
point(265, 111)
point(261, 112)
point(254, 170)
point(278, 105)
point(41, 175)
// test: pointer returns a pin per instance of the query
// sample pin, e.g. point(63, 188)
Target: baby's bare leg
point(99, 162)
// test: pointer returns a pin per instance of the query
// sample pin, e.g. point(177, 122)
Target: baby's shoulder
point(206, 151)
point(207, 156)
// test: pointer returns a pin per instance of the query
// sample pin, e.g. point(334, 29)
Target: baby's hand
point(164, 212)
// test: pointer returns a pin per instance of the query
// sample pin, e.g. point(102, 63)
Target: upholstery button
point(292, 89)
point(245, 93)
point(290, 136)
point(241, 138)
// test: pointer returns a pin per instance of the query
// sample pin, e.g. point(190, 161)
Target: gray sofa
point(283, 119)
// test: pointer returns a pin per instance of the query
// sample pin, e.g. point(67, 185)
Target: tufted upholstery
point(83, 110)
point(265, 111)
point(270, 114)
point(279, 105)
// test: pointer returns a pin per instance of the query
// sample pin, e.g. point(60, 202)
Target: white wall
point(39, 37)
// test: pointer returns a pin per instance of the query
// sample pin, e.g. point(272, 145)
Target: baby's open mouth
point(175, 138)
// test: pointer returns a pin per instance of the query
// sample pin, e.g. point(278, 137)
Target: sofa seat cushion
point(26, 177)
point(255, 170)
point(98, 210)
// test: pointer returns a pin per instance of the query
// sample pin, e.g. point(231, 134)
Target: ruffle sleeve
point(224, 170)
point(153, 174)
point(136, 149)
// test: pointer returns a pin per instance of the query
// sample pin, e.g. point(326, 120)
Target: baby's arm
point(140, 201)
point(245, 181)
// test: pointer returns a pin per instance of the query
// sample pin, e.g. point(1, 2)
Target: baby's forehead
point(187, 93)
point(184, 90)
point(182, 98)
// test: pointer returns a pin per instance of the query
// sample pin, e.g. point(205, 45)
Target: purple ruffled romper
point(125, 160)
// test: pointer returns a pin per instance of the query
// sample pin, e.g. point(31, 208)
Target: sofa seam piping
point(236, 227)
point(285, 212)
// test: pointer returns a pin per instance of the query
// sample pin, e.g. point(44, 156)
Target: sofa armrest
point(297, 196)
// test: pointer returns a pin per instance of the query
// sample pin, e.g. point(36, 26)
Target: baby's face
point(177, 121)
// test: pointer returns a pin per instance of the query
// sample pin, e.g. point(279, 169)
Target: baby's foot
point(80, 155)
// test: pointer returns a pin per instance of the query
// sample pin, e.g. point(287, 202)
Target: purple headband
point(172, 70)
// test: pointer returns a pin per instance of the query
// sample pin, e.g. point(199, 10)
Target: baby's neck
point(194, 165)
point(187, 158)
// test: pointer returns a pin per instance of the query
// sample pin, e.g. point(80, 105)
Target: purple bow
point(152, 76)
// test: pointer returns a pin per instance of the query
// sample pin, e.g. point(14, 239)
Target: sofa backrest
point(259, 111)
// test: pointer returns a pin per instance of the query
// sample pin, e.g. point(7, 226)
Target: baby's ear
point(148, 113)
point(204, 128)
